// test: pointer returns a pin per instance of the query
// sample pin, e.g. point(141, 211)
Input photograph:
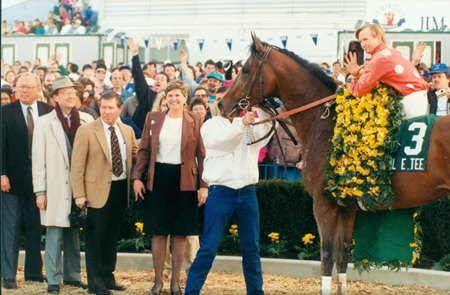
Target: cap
point(439, 68)
point(216, 75)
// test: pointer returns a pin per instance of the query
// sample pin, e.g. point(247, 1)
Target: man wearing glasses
point(202, 93)
point(53, 142)
point(18, 199)
point(100, 78)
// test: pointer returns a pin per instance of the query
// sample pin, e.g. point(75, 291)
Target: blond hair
point(375, 30)
point(173, 85)
point(157, 102)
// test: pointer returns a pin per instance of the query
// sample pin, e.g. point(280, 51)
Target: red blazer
point(192, 152)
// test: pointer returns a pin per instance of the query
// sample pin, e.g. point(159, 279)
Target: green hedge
point(435, 222)
point(286, 208)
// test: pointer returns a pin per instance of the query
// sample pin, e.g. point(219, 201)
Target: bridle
point(244, 103)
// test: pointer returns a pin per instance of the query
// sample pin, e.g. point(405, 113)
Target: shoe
point(53, 289)
point(77, 284)
point(36, 279)
point(9, 283)
point(115, 287)
point(101, 291)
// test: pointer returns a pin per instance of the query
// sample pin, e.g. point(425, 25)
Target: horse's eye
point(245, 70)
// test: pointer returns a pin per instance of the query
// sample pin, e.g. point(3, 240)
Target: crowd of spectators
point(142, 88)
point(66, 17)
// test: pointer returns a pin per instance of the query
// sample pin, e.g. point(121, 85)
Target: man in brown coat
point(101, 164)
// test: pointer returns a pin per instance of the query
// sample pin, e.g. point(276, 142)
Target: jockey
point(387, 65)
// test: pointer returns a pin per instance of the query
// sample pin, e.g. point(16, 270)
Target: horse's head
point(255, 81)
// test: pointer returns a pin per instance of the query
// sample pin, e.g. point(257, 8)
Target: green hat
point(216, 75)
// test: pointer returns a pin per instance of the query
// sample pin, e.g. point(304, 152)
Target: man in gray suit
point(53, 139)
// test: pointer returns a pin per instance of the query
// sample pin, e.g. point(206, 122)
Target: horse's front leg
point(346, 222)
point(326, 219)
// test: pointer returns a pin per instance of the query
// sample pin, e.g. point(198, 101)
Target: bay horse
point(270, 71)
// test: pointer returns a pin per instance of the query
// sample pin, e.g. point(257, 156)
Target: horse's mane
point(313, 68)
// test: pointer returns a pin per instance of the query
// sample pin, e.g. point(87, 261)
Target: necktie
point(117, 165)
point(68, 121)
point(30, 128)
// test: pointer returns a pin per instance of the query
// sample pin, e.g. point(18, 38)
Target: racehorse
point(274, 72)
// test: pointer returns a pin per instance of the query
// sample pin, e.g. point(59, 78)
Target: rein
point(300, 109)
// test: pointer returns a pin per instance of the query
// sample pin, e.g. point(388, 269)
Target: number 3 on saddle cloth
point(414, 140)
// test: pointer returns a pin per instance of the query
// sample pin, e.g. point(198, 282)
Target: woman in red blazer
point(172, 153)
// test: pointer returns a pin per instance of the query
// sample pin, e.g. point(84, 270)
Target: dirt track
point(139, 282)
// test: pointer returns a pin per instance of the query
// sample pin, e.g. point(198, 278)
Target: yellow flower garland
point(362, 146)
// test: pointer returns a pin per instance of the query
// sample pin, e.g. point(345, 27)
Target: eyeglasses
point(23, 87)
point(351, 80)
point(68, 93)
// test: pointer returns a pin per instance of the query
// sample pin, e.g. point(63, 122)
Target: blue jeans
point(220, 206)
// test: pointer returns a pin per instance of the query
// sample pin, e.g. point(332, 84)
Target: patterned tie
point(117, 165)
point(30, 128)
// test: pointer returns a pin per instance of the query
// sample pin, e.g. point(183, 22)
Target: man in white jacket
point(53, 139)
point(231, 171)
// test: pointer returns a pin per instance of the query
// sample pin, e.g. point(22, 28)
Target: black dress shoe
point(53, 289)
point(77, 284)
point(115, 287)
point(36, 279)
point(9, 283)
point(101, 291)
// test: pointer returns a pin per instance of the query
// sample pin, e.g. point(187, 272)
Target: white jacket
point(229, 160)
point(51, 168)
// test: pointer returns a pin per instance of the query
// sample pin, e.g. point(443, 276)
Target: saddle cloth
point(414, 140)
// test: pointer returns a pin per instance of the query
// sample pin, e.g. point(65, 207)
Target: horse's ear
point(257, 42)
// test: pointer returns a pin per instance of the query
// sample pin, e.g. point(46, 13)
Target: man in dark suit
point(18, 200)
point(101, 162)
point(145, 94)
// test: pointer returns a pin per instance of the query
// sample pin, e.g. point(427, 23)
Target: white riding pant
point(415, 104)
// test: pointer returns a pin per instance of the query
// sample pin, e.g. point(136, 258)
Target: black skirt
point(167, 210)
